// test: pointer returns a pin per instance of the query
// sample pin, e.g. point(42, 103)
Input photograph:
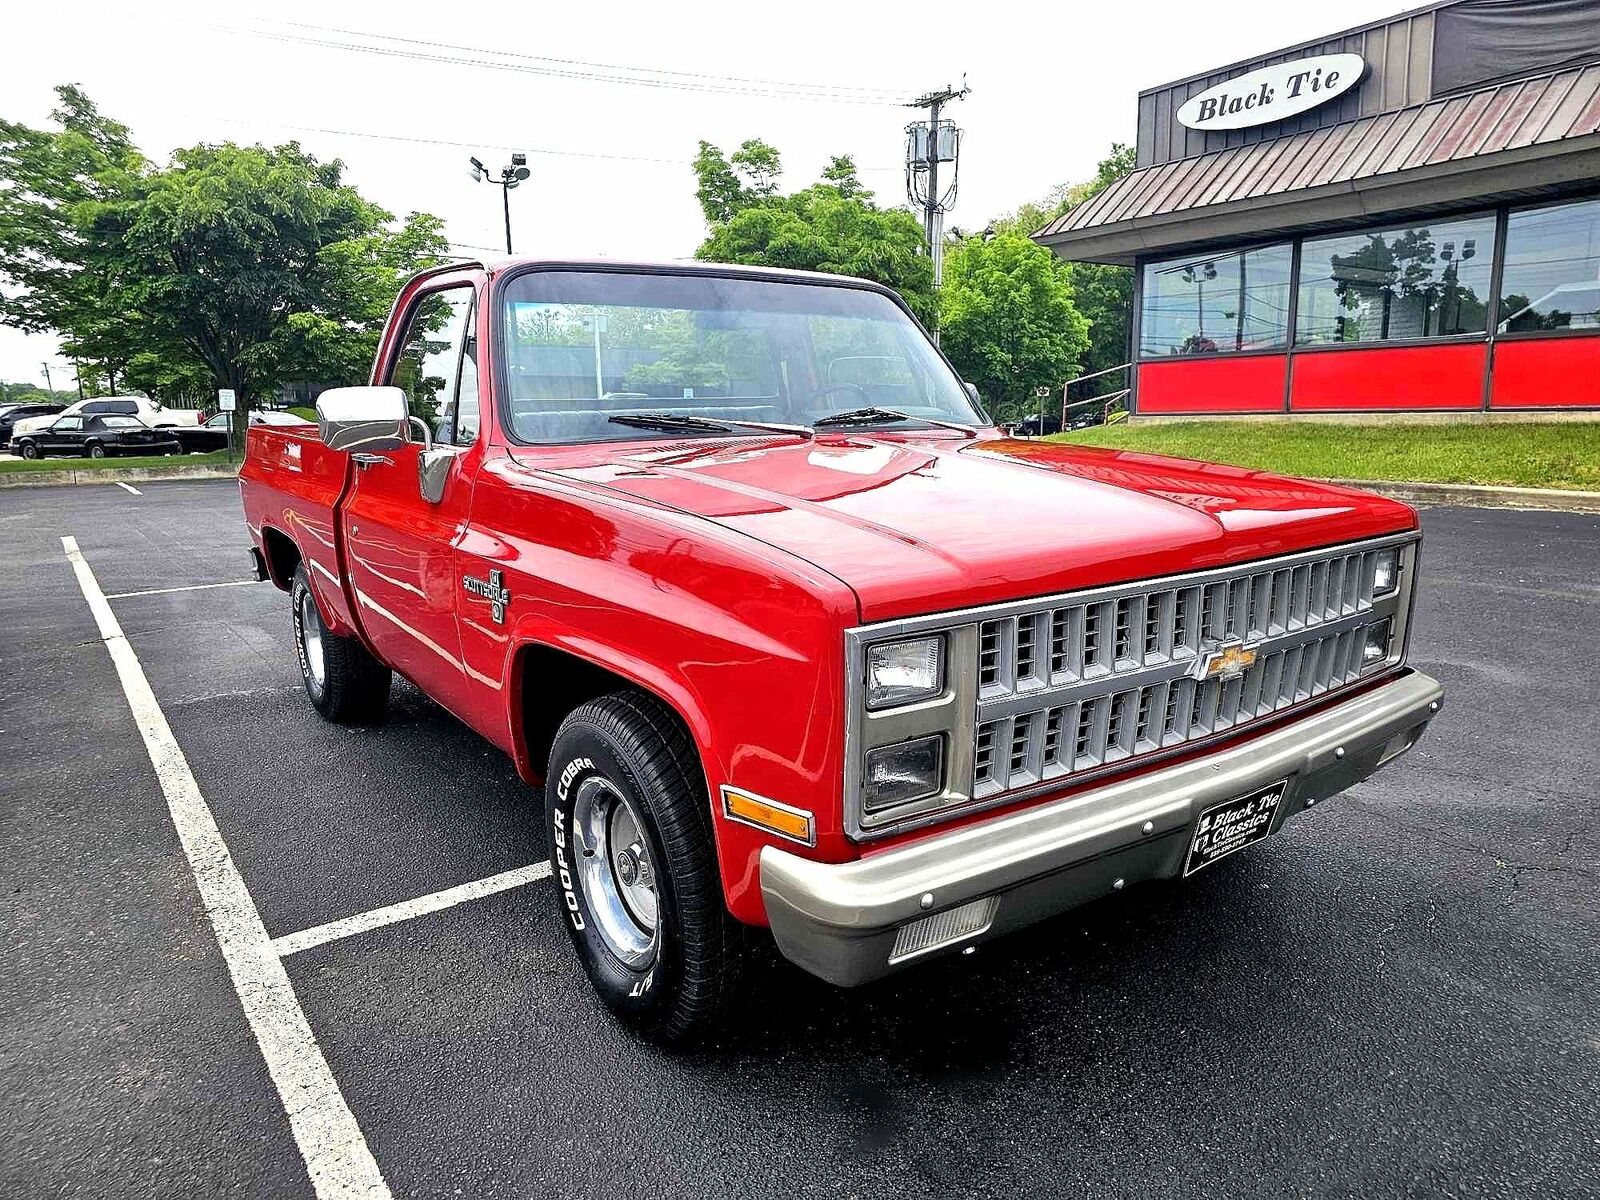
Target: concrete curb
point(1472, 495)
point(112, 475)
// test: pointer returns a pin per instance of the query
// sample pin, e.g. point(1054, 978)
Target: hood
point(927, 523)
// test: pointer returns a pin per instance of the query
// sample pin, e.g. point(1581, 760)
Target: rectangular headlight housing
point(902, 773)
point(1385, 571)
point(904, 672)
point(1375, 647)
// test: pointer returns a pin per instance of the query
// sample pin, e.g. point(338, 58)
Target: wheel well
point(282, 555)
point(553, 683)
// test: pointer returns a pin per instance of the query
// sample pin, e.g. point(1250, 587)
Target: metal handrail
point(1094, 375)
point(1106, 399)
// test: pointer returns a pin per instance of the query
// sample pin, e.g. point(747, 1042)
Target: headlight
point(1376, 648)
point(1385, 571)
point(903, 773)
point(901, 672)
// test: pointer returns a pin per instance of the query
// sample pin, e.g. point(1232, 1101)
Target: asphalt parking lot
point(1395, 996)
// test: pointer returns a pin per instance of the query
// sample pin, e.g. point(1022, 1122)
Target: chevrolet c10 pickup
point(734, 566)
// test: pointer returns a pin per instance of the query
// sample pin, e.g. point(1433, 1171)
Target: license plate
point(1233, 825)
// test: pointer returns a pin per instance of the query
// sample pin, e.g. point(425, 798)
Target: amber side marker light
point(749, 809)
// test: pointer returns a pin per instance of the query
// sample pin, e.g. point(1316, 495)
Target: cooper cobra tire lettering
point(563, 872)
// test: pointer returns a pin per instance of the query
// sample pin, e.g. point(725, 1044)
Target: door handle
point(368, 460)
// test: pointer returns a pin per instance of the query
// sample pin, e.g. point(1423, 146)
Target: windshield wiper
point(664, 420)
point(873, 416)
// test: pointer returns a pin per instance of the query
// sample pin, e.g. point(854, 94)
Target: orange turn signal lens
point(792, 823)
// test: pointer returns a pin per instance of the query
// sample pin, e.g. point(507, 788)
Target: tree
point(1102, 293)
point(830, 226)
point(51, 253)
point(1008, 321)
point(232, 266)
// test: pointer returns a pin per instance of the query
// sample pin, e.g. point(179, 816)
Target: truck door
point(401, 551)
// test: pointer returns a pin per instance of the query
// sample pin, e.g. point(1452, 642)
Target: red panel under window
point(1220, 384)
point(1546, 373)
point(1390, 377)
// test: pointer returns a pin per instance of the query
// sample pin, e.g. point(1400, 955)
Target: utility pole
point(927, 145)
point(510, 177)
point(48, 386)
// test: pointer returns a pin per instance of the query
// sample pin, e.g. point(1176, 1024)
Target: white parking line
point(336, 1154)
point(293, 943)
point(129, 488)
point(193, 587)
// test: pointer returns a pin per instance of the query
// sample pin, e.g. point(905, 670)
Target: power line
point(873, 94)
point(420, 55)
point(452, 143)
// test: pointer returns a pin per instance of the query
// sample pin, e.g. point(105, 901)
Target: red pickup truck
point(733, 563)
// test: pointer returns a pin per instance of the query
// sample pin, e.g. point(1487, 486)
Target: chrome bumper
point(840, 920)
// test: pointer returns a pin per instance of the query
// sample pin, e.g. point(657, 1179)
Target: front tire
point(635, 867)
point(28, 451)
point(345, 683)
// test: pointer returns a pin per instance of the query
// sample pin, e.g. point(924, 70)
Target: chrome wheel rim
point(616, 870)
point(311, 638)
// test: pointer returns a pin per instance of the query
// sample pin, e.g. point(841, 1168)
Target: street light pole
point(510, 177)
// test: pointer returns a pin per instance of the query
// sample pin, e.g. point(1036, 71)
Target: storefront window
point(1552, 271)
point(1214, 305)
point(1384, 285)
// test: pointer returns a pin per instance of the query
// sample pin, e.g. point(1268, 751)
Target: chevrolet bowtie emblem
point(1224, 662)
point(493, 590)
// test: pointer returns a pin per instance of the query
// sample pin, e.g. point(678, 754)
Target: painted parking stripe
point(193, 587)
point(293, 943)
point(336, 1154)
point(128, 487)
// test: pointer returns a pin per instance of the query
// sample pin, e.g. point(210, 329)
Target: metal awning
point(1527, 138)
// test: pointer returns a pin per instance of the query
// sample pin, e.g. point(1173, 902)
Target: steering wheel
point(866, 400)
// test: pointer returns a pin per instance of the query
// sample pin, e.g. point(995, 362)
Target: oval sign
point(1273, 93)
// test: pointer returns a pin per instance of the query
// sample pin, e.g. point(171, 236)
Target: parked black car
point(10, 414)
point(1037, 426)
point(96, 437)
point(213, 435)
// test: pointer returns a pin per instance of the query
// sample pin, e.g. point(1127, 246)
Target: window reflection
point(1228, 302)
point(1391, 284)
point(1552, 272)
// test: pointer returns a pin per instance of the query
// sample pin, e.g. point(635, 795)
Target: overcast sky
point(1052, 87)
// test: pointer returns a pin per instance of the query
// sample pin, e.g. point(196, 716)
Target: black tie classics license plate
point(1233, 825)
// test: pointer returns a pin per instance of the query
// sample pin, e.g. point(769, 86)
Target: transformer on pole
point(928, 144)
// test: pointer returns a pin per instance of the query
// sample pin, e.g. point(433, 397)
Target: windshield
point(583, 347)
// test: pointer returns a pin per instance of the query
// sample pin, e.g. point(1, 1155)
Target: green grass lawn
point(1549, 455)
point(215, 459)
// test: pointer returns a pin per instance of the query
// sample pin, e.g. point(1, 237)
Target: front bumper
point(840, 920)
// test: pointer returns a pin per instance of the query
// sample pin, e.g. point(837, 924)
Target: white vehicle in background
point(151, 412)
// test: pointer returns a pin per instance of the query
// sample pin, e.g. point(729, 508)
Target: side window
point(466, 423)
point(68, 425)
point(428, 364)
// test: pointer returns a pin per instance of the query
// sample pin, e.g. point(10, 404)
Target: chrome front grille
point(1041, 693)
point(1118, 679)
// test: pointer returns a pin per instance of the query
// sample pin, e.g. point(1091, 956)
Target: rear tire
point(635, 867)
point(345, 683)
point(96, 450)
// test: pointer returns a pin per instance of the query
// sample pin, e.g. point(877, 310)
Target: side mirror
point(373, 419)
point(972, 393)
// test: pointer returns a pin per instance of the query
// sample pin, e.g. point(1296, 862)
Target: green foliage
point(830, 226)
point(232, 266)
point(32, 393)
point(1103, 294)
point(1008, 320)
point(1547, 454)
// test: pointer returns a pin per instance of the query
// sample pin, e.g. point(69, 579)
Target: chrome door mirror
point(372, 419)
point(972, 394)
